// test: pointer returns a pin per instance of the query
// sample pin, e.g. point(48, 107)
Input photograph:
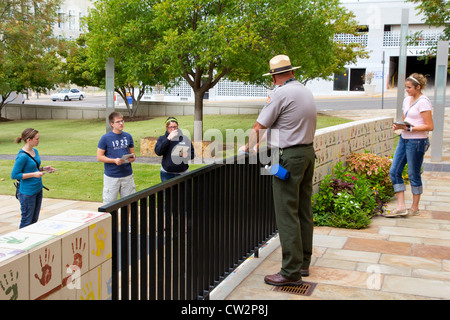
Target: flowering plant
point(348, 199)
point(376, 170)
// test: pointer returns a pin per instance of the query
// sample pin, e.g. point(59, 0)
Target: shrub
point(376, 170)
point(344, 201)
point(354, 194)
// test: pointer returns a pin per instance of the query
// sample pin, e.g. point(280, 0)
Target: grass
point(73, 137)
point(80, 180)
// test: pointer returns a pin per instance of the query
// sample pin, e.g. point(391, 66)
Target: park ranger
point(290, 117)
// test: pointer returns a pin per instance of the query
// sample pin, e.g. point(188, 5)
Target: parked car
point(68, 94)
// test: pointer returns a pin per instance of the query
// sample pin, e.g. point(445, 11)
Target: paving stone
point(411, 262)
point(352, 255)
point(381, 246)
point(441, 215)
point(415, 232)
point(428, 251)
point(417, 286)
point(329, 241)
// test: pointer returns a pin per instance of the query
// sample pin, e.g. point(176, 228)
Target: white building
point(70, 14)
point(383, 21)
point(382, 18)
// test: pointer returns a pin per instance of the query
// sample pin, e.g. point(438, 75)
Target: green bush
point(353, 195)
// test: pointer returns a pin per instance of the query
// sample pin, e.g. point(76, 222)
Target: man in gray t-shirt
point(290, 119)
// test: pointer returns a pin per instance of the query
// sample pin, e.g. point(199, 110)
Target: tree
point(28, 51)
point(76, 67)
point(204, 41)
point(437, 14)
point(121, 30)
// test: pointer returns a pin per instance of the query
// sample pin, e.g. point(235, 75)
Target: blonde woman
point(27, 169)
point(414, 142)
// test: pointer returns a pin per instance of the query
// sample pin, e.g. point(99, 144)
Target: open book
point(126, 156)
point(405, 123)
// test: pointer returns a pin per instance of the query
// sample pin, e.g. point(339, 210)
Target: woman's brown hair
point(28, 133)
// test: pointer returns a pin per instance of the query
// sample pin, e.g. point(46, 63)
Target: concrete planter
point(369, 89)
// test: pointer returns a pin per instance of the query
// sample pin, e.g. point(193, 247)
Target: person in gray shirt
point(290, 118)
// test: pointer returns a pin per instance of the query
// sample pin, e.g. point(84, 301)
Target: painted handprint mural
point(46, 268)
point(8, 283)
point(68, 259)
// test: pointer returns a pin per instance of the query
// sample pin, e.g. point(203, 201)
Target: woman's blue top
point(24, 164)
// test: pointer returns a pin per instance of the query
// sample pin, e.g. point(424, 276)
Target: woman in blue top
point(27, 169)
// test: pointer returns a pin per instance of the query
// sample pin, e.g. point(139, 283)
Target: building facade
point(70, 14)
point(380, 20)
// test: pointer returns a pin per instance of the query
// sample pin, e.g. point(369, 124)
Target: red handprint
point(46, 268)
point(77, 251)
point(78, 247)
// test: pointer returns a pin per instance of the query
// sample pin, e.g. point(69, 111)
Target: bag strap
point(37, 165)
point(426, 98)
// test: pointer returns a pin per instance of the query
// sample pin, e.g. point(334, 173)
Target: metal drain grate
point(305, 289)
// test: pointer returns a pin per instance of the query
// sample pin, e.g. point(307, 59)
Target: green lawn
point(84, 181)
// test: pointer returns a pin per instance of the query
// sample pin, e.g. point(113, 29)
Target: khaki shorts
point(112, 187)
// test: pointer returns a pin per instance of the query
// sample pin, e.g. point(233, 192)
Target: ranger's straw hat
point(280, 64)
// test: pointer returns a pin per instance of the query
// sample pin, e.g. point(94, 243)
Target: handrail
point(220, 214)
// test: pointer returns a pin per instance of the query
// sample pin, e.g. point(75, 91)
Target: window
point(71, 20)
point(61, 18)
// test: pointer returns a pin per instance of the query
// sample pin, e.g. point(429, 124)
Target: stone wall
point(334, 144)
point(65, 257)
point(146, 109)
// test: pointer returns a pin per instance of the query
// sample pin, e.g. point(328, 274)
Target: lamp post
point(439, 100)
point(109, 74)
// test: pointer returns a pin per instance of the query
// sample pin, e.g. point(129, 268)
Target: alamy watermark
point(223, 148)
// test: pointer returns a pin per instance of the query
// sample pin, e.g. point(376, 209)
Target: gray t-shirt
point(290, 115)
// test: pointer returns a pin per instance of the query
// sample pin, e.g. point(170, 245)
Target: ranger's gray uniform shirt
point(292, 111)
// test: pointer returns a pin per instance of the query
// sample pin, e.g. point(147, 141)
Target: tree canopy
point(121, 30)
point(202, 41)
point(28, 51)
point(437, 14)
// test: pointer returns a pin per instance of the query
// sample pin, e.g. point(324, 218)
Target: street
point(350, 102)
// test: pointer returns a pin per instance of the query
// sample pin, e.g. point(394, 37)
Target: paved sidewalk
point(399, 258)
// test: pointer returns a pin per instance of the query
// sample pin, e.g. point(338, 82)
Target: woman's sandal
point(396, 213)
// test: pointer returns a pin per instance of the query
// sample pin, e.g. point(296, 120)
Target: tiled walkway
point(400, 258)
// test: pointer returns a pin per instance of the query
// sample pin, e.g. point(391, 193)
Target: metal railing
point(178, 240)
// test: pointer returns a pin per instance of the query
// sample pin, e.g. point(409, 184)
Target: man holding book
point(116, 151)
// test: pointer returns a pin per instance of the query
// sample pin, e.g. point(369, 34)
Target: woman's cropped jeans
point(411, 152)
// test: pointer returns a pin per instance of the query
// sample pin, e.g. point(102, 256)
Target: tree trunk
point(198, 116)
point(3, 102)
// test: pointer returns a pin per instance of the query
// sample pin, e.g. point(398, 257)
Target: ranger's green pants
point(293, 209)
